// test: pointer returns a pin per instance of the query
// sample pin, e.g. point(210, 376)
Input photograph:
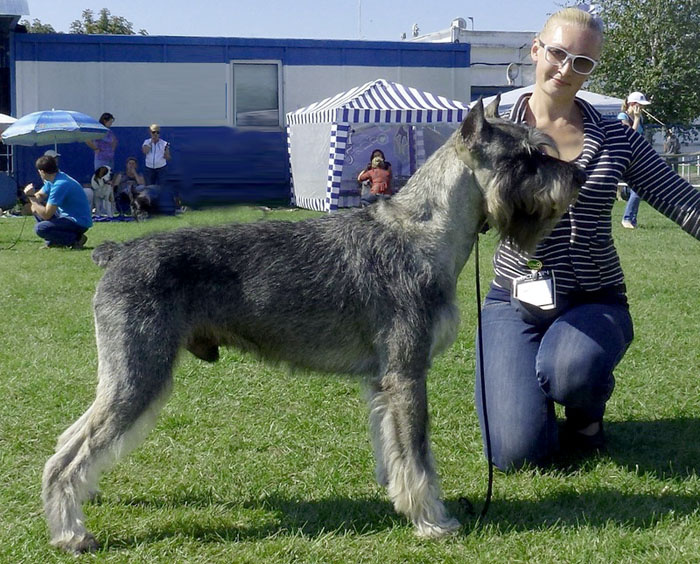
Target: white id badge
point(538, 289)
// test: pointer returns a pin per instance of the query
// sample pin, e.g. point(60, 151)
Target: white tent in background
point(606, 105)
point(330, 141)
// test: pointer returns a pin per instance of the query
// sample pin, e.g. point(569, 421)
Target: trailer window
point(256, 94)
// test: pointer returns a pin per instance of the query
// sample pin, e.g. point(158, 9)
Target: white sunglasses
point(559, 57)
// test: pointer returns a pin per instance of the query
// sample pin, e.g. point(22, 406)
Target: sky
point(377, 20)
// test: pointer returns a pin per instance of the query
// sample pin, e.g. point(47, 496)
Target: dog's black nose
point(580, 177)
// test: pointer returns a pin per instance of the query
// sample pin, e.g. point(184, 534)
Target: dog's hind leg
point(73, 429)
point(68, 434)
point(412, 480)
point(130, 395)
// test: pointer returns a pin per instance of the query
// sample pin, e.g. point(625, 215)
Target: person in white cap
point(631, 116)
point(52, 153)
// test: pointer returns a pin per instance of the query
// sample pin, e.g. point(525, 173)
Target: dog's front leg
point(377, 412)
point(412, 481)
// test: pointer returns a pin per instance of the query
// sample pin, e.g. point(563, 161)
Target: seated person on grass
point(127, 184)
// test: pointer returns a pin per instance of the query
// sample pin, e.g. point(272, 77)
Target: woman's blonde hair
point(574, 17)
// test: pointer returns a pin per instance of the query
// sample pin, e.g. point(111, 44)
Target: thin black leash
point(21, 230)
point(24, 222)
point(480, 341)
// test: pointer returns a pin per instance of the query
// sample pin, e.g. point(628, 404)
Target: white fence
point(687, 165)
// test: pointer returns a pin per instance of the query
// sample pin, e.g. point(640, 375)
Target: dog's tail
point(104, 253)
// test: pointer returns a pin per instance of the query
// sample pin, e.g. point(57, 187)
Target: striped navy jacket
point(580, 249)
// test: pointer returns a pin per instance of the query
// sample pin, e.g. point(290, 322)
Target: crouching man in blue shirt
point(66, 215)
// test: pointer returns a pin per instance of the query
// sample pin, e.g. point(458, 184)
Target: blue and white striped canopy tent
point(330, 141)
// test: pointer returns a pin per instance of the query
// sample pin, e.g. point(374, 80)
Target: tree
point(652, 46)
point(105, 23)
point(37, 27)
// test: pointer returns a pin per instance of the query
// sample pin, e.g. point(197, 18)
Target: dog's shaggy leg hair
point(68, 435)
point(112, 427)
point(70, 475)
point(377, 413)
point(412, 482)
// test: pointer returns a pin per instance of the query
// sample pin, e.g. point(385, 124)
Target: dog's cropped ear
point(475, 126)
point(491, 110)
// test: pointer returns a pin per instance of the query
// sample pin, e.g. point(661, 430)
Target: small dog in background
point(104, 192)
point(153, 200)
point(141, 204)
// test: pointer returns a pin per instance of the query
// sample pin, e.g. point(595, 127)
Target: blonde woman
point(156, 155)
point(564, 351)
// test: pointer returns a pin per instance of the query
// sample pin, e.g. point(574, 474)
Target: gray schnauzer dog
point(369, 292)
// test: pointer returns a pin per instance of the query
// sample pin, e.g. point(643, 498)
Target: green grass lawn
point(252, 463)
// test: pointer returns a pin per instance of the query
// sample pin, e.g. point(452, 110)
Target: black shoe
point(571, 439)
point(80, 243)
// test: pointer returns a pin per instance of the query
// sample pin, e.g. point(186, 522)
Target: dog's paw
point(78, 544)
point(427, 530)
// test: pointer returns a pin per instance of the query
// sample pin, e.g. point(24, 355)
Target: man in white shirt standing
point(157, 155)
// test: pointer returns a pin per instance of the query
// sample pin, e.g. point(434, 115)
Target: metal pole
point(359, 18)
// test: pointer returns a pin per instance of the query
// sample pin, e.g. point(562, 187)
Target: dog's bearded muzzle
point(524, 209)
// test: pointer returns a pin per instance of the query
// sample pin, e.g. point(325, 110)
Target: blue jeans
point(532, 361)
point(59, 231)
point(155, 175)
point(632, 208)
